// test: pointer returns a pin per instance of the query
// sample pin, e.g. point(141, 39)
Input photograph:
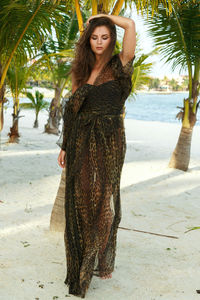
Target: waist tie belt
point(100, 114)
point(88, 117)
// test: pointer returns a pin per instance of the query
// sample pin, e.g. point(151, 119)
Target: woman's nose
point(99, 41)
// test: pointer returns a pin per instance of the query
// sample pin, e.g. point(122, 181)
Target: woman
point(93, 149)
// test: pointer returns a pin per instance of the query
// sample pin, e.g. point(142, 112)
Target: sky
point(159, 69)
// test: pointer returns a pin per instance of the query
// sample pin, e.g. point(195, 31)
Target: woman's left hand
point(61, 158)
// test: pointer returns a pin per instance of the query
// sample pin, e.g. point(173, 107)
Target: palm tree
point(57, 53)
point(142, 69)
point(24, 26)
point(16, 80)
point(179, 36)
point(114, 7)
point(38, 103)
point(57, 220)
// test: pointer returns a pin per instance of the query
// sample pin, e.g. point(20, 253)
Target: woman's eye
point(104, 38)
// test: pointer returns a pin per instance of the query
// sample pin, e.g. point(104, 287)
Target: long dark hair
point(84, 60)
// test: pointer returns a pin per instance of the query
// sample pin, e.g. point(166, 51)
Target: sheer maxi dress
point(95, 145)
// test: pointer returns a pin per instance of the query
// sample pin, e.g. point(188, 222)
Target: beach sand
point(154, 198)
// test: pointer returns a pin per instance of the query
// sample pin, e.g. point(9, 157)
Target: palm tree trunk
point(14, 130)
point(181, 156)
point(117, 8)
point(94, 7)
point(2, 91)
point(79, 16)
point(36, 121)
point(53, 122)
point(57, 222)
point(2, 100)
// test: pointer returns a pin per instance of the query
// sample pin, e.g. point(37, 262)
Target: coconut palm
point(179, 36)
point(24, 27)
point(37, 103)
point(58, 70)
point(57, 53)
point(114, 7)
point(142, 69)
point(16, 80)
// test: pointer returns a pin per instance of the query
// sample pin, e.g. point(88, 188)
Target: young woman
point(93, 149)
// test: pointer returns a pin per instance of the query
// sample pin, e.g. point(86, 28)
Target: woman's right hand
point(61, 158)
point(94, 16)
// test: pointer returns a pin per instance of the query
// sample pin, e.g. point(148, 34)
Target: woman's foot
point(108, 276)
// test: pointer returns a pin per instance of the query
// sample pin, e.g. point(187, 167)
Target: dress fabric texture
point(95, 145)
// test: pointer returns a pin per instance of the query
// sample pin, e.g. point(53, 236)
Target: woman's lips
point(99, 48)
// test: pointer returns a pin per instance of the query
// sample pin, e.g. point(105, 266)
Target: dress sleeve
point(128, 67)
point(60, 140)
point(68, 118)
point(71, 109)
point(123, 74)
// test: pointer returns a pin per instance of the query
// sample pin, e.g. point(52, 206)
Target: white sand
point(154, 198)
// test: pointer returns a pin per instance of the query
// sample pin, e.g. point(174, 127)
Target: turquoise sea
point(156, 107)
point(150, 107)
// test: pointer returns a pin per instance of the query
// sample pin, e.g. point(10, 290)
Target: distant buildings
point(178, 83)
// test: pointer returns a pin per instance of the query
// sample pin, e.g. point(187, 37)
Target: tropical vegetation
point(29, 22)
point(57, 53)
point(179, 38)
point(37, 103)
point(16, 81)
point(170, 85)
point(24, 27)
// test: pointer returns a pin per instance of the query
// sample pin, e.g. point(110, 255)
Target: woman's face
point(100, 40)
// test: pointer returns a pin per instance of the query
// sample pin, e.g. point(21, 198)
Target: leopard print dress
point(95, 145)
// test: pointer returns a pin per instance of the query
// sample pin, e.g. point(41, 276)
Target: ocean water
point(150, 107)
point(156, 107)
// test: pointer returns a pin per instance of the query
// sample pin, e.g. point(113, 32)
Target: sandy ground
point(154, 198)
point(49, 93)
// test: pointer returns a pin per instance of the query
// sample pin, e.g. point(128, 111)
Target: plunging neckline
point(100, 83)
point(94, 85)
point(98, 75)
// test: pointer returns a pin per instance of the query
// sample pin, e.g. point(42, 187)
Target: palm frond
point(16, 78)
point(178, 35)
point(153, 6)
point(28, 23)
point(37, 102)
point(26, 105)
point(141, 72)
point(30, 96)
